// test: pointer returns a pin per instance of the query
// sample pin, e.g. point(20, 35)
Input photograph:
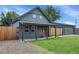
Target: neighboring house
point(34, 24)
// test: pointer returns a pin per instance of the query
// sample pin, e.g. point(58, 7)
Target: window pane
point(26, 30)
point(34, 16)
point(40, 17)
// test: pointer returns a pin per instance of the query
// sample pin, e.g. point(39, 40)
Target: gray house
point(34, 24)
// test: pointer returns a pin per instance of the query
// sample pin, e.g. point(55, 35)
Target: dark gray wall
point(39, 18)
point(31, 35)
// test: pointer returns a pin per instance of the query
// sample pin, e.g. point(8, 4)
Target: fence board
point(7, 33)
point(57, 33)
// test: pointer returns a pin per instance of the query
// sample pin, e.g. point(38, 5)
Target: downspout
point(22, 36)
point(22, 31)
point(47, 32)
point(74, 30)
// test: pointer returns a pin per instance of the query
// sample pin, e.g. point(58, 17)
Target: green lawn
point(66, 44)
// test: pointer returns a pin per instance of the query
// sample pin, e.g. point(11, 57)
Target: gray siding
point(31, 35)
point(26, 35)
point(39, 33)
point(29, 18)
point(15, 24)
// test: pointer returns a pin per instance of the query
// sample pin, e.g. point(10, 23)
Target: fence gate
point(8, 33)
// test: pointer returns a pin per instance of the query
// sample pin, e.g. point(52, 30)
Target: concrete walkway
point(17, 47)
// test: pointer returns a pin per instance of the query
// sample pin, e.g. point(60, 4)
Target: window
point(26, 26)
point(34, 16)
point(26, 30)
point(32, 30)
point(29, 28)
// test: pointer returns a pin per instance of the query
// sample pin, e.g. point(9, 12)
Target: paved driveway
point(17, 47)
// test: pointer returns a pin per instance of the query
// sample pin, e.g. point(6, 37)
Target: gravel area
point(17, 47)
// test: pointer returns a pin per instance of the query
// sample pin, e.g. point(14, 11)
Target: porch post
point(35, 32)
point(63, 30)
point(21, 31)
point(22, 36)
point(55, 31)
point(74, 30)
point(47, 32)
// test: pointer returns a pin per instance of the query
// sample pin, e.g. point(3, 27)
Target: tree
point(8, 18)
point(52, 14)
point(3, 21)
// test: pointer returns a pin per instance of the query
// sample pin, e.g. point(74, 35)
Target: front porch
point(44, 38)
point(33, 31)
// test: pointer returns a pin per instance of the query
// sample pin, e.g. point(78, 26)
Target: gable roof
point(38, 8)
point(56, 24)
point(43, 13)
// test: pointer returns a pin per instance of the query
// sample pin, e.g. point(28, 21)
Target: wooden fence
point(55, 31)
point(8, 33)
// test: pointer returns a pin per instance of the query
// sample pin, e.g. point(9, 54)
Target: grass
point(64, 45)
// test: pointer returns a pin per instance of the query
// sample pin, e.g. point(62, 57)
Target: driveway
point(17, 47)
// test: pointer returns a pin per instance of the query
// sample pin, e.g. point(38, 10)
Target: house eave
point(44, 24)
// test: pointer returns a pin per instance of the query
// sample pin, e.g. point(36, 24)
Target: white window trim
point(40, 17)
point(34, 15)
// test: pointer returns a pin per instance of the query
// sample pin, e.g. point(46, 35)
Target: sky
point(69, 13)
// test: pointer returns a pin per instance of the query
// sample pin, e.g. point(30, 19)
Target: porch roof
point(35, 23)
point(60, 24)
